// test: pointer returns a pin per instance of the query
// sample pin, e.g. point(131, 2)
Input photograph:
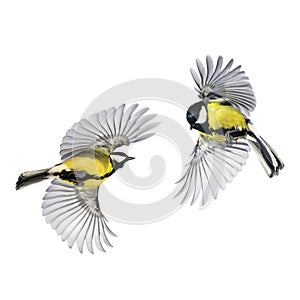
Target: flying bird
point(221, 116)
point(71, 203)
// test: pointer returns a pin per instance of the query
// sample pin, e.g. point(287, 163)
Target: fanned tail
point(269, 159)
point(30, 177)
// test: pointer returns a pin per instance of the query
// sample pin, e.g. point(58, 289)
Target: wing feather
point(213, 164)
point(209, 67)
point(75, 215)
point(110, 129)
point(230, 84)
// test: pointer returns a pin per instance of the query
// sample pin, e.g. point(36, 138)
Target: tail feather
point(31, 177)
point(269, 159)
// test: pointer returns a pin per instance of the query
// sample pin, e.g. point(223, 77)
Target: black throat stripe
point(78, 177)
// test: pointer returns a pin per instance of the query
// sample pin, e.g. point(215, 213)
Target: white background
point(57, 56)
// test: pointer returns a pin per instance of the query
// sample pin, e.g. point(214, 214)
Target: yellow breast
point(225, 116)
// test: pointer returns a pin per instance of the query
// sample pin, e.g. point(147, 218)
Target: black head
point(196, 113)
point(119, 159)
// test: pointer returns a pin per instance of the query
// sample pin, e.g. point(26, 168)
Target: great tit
point(221, 116)
point(88, 156)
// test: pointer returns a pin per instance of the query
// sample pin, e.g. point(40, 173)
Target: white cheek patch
point(202, 115)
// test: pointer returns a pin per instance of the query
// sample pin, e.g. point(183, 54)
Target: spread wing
point(230, 84)
point(213, 164)
point(76, 216)
point(109, 129)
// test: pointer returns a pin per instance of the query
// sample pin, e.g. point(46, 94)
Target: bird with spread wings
point(71, 203)
point(221, 117)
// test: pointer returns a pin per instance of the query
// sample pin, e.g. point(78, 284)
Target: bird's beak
point(191, 127)
point(130, 158)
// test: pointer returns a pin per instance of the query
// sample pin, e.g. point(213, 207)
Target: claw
point(232, 136)
point(229, 138)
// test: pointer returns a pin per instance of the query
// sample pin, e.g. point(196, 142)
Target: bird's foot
point(231, 137)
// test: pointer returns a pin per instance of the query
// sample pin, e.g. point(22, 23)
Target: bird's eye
point(191, 118)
